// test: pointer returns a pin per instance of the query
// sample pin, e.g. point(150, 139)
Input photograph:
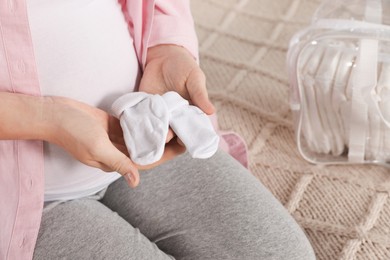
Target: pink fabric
point(21, 162)
point(232, 143)
point(164, 15)
point(236, 147)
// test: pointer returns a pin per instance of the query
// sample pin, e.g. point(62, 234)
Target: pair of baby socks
point(146, 118)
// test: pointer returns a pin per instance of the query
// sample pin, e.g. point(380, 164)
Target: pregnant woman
point(62, 155)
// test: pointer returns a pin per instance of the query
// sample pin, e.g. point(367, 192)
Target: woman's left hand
point(173, 68)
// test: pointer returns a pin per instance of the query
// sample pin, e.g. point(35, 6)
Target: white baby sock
point(144, 121)
point(192, 126)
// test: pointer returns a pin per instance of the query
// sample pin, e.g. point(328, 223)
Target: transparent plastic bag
point(339, 69)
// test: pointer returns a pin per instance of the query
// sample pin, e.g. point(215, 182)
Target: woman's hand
point(172, 68)
point(94, 137)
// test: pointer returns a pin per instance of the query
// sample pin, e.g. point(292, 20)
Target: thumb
point(117, 161)
point(196, 87)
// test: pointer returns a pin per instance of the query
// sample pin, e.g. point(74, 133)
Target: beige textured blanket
point(344, 210)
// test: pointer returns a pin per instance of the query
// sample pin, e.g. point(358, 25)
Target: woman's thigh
point(209, 209)
point(86, 229)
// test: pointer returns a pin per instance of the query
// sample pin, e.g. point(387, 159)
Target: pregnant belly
point(83, 49)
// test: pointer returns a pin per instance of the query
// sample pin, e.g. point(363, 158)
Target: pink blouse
point(21, 162)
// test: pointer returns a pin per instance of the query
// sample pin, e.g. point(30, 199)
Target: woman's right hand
point(95, 138)
point(89, 134)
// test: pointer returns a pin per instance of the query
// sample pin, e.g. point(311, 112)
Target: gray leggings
point(184, 209)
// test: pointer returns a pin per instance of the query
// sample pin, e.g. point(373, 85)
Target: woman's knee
point(243, 220)
point(251, 222)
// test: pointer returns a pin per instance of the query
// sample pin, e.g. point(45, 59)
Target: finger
point(170, 135)
point(119, 162)
point(196, 86)
point(172, 149)
point(98, 165)
point(121, 147)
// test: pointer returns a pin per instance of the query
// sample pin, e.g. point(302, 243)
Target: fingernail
point(129, 179)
